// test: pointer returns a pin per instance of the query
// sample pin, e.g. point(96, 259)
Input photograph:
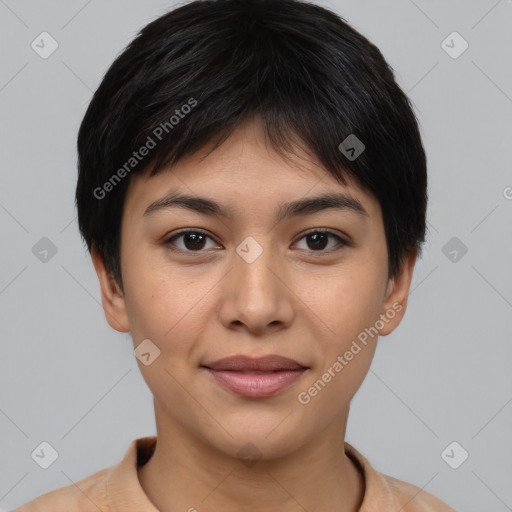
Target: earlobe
point(112, 298)
point(397, 293)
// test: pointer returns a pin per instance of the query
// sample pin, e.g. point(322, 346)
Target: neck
point(187, 474)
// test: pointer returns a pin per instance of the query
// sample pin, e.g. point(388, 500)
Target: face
point(308, 283)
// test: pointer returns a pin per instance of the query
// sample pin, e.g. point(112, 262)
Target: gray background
point(445, 375)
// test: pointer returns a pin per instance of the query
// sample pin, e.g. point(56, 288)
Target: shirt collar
point(125, 494)
point(378, 494)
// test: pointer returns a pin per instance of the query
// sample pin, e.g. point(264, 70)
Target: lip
point(255, 377)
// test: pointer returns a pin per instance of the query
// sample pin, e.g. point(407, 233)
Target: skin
point(295, 301)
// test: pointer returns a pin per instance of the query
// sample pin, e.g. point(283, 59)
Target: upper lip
point(267, 363)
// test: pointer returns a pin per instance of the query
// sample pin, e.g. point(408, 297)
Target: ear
point(397, 293)
point(112, 297)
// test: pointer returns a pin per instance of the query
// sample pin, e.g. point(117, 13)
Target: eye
point(193, 241)
point(196, 240)
point(318, 239)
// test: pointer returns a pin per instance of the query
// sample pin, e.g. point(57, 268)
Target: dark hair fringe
point(312, 78)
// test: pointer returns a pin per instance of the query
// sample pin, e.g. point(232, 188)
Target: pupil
point(316, 238)
point(197, 242)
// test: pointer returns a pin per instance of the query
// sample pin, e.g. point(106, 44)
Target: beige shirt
point(117, 489)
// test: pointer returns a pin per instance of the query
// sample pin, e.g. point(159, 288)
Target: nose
point(256, 293)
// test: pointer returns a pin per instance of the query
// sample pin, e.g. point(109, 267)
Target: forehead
point(245, 174)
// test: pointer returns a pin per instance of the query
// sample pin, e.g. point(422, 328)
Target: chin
point(257, 442)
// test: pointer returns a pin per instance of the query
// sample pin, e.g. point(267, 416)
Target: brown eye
point(192, 241)
point(318, 240)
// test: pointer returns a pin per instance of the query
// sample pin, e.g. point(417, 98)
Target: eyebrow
point(300, 207)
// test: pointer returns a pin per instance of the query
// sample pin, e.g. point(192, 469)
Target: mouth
point(255, 378)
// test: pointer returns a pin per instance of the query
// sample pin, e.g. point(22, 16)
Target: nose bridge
point(256, 296)
point(254, 272)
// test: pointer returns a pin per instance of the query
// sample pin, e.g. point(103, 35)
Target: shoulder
point(115, 488)
point(388, 494)
point(84, 496)
point(414, 499)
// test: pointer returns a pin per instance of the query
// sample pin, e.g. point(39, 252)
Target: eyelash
point(340, 240)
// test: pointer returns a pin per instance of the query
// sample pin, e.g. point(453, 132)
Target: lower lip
point(256, 385)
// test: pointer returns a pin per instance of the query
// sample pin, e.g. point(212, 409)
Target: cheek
point(348, 305)
point(163, 311)
point(164, 305)
point(346, 302)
